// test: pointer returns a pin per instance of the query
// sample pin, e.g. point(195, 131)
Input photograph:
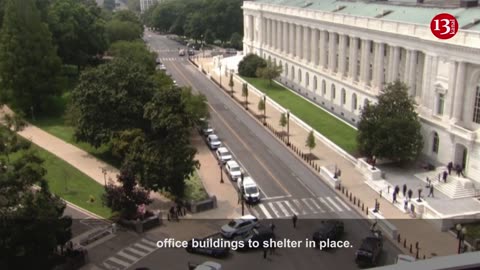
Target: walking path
point(430, 239)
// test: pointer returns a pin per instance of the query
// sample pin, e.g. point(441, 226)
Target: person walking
point(404, 190)
point(405, 204)
point(294, 220)
point(431, 192)
point(264, 253)
point(396, 190)
point(449, 167)
point(394, 197)
point(272, 227)
point(171, 215)
point(410, 193)
point(444, 176)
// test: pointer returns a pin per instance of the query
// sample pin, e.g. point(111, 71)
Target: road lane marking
point(144, 247)
point(299, 206)
point(285, 212)
point(334, 204)
point(342, 203)
point(150, 243)
point(252, 153)
point(128, 256)
point(274, 209)
point(265, 211)
point(291, 208)
point(276, 197)
point(136, 251)
point(119, 262)
point(326, 204)
point(254, 212)
point(316, 205)
point(305, 201)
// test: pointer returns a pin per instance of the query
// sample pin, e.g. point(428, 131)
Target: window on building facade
point(314, 82)
point(333, 91)
point(344, 96)
point(293, 73)
point(299, 75)
point(348, 42)
point(436, 143)
point(476, 107)
point(324, 87)
point(440, 103)
point(354, 102)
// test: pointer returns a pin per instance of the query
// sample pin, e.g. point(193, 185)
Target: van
point(249, 189)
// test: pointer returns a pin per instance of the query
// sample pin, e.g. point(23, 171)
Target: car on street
point(328, 229)
point(208, 265)
point(223, 154)
point(233, 170)
point(204, 248)
point(161, 67)
point(260, 234)
point(239, 226)
point(249, 189)
point(213, 141)
point(369, 252)
point(181, 52)
point(191, 52)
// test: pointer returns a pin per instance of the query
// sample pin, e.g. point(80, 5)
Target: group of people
point(176, 211)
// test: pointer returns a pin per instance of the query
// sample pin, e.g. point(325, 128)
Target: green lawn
point(335, 130)
point(71, 184)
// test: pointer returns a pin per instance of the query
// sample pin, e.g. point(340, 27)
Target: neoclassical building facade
point(339, 54)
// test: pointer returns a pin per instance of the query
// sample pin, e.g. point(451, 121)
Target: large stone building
point(339, 54)
point(146, 4)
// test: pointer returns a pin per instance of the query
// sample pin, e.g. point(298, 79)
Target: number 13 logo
point(444, 26)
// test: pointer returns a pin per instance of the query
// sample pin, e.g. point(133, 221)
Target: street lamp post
point(220, 165)
point(288, 127)
point(104, 171)
point(264, 110)
point(461, 232)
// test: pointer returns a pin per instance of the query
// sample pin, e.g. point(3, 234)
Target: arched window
point(307, 79)
point(315, 83)
point(436, 143)
point(299, 75)
point(324, 88)
point(354, 102)
point(344, 96)
point(293, 73)
point(332, 94)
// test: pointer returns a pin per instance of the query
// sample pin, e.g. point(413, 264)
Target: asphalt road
point(287, 185)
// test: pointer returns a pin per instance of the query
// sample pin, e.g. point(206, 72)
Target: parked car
point(162, 67)
point(249, 189)
point(206, 249)
point(370, 250)
point(260, 234)
point(181, 52)
point(191, 52)
point(328, 229)
point(208, 265)
point(239, 226)
point(223, 154)
point(233, 170)
point(213, 141)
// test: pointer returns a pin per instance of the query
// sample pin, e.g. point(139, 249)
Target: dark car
point(328, 229)
point(206, 249)
point(191, 52)
point(370, 250)
point(260, 234)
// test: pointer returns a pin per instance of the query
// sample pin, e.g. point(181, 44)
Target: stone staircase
point(455, 188)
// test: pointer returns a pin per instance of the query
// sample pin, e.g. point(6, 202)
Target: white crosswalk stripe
point(300, 206)
point(130, 255)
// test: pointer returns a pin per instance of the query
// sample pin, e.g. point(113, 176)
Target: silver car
point(239, 226)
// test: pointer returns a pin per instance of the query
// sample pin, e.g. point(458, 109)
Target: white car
point(213, 141)
point(239, 226)
point(233, 170)
point(208, 265)
point(223, 154)
point(249, 189)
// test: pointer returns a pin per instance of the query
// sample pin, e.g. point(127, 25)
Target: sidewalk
point(431, 240)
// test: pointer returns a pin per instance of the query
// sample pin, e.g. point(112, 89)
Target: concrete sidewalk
point(430, 239)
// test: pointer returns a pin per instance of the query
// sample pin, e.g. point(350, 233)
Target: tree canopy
point(249, 64)
point(390, 129)
point(269, 72)
point(135, 52)
point(124, 25)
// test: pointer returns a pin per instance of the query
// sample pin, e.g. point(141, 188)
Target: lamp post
point(220, 165)
point(288, 127)
point(461, 232)
point(220, 66)
point(104, 171)
point(242, 191)
point(264, 110)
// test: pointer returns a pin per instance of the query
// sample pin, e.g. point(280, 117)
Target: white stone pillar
point(274, 34)
point(315, 47)
point(353, 69)
point(427, 71)
point(332, 52)
point(292, 39)
point(459, 92)
point(406, 73)
point(323, 48)
point(365, 62)
point(412, 77)
point(379, 65)
point(342, 55)
point(452, 81)
point(285, 38)
point(299, 42)
point(280, 36)
point(307, 44)
point(390, 64)
point(252, 28)
point(395, 63)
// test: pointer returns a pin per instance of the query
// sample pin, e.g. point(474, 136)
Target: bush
point(249, 65)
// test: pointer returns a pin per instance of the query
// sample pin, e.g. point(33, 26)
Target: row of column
point(361, 60)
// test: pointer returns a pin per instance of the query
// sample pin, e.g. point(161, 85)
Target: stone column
point(299, 42)
point(342, 55)
point(406, 73)
point(292, 40)
point(315, 47)
point(452, 81)
point(307, 44)
point(332, 52)
point(252, 27)
point(459, 92)
point(353, 69)
point(379, 65)
point(274, 34)
point(365, 62)
point(412, 77)
point(280, 36)
point(285, 38)
point(390, 64)
point(395, 63)
point(323, 48)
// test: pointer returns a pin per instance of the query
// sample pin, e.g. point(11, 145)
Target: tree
point(310, 143)
point(122, 30)
point(231, 84)
point(111, 98)
point(2, 9)
point(78, 31)
point(236, 41)
point(391, 128)
point(195, 26)
point(134, 52)
point(109, 4)
point(29, 66)
point(270, 72)
point(209, 37)
point(283, 120)
point(249, 65)
point(245, 94)
point(133, 5)
point(261, 107)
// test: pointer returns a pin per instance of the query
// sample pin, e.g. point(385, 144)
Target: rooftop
point(408, 11)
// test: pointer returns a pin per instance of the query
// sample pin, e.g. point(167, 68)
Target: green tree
point(133, 5)
point(310, 142)
point(236, 41)
point(195, 105)
point(122, 30)
point(283, 121)
point(249, 64)
point(270, 72)
point(390, 129)
point(134, 52)
point(29, 66)
point(195, 26)
point(209, 36)
point(262, 107)
point(245, 94)
point(2, 9)
point(109, 4)
point(231, 83)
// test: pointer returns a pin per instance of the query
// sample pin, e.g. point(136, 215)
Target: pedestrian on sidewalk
point(272, 227)
point(458, 169)
point(294, 220)
point(405, 204)
point(444, 175)
point(171, 215)
point(404, 190)
point(396, 190)
point(265, 253)
point(449, 167)
point(429, 182)
point(431, 192)
point(410, 193)
point(394, 198)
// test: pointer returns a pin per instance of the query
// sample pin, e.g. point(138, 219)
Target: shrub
point(249, 65)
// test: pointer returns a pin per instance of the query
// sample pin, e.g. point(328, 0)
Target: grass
point(335, 130)
point(194, 189)
point(473, 231)
point(70, 184)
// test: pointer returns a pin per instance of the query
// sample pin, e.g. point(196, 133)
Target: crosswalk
point(163, 59)
point(130, 255)
point(299, 207)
